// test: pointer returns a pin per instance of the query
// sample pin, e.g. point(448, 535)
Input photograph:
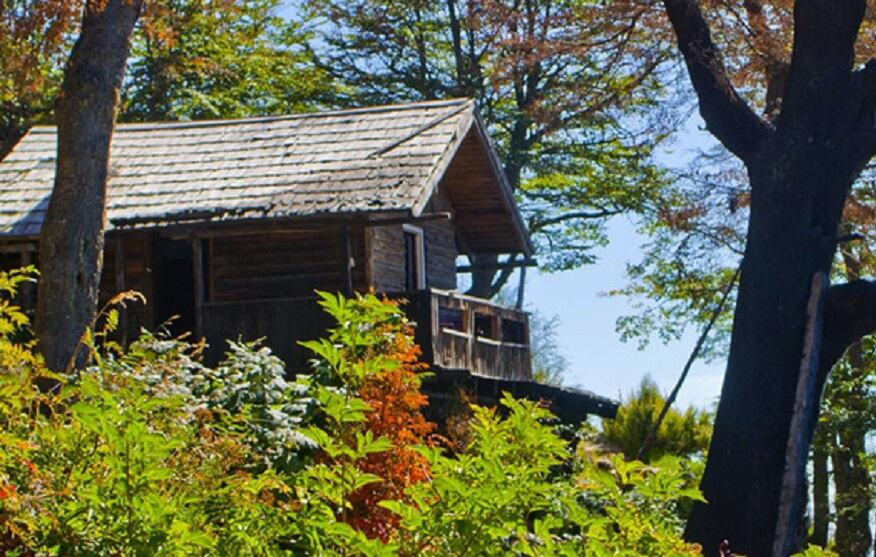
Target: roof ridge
point(170, 125)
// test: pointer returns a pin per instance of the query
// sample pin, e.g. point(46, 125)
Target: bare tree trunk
point(71, 242)
point(850, 473)
point(820, 492)
point(801, 167)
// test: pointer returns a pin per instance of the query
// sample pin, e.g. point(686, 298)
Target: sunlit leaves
point(572, 91)
point(231, 58)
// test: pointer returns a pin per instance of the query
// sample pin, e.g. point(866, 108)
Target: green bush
point(682, 434)
point(149, 452)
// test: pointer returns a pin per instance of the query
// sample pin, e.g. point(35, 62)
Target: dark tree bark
point(800, 168)
point(71, 241)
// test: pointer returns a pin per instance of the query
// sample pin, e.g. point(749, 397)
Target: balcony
point(459, 332)
point(456, 332)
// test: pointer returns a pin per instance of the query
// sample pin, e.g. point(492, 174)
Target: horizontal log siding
point(386, 258)
point(287, 264)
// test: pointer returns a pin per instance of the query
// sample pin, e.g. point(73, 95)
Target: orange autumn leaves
point(396, 402)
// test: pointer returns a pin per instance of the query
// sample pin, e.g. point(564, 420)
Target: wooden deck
point(456, 332)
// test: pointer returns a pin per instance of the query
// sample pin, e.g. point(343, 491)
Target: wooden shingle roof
point(380, 159)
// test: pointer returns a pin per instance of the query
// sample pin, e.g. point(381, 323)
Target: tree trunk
point(850, 473)
point(820, 492)
point(800, 166)
point(852, 496)
point(71, 242)
point(795, 213)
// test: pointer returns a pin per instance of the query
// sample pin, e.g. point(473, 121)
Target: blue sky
point(600, 362)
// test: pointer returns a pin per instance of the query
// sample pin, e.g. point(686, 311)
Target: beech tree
point(33, 44)
point(199, 60)
point(801, 160)
point(573, 93)
point(71, 241)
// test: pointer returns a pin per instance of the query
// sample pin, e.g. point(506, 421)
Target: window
point(451, 318)
point(415, 258)
point(485, 326)
point(513, 331)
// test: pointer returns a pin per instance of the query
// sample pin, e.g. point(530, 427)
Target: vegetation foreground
point(149, 452)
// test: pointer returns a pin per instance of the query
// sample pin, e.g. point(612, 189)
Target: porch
point(455, 332)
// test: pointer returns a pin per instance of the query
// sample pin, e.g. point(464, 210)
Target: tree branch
point(820, 78)
point(728, 117)
point(849, 315)
point(864, 83)
point(539, 224)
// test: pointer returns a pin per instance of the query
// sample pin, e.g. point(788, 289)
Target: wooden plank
point(119, 257)
point(198, 272)
point(148, 279)
point(346, 259)
point(27, 288)
point(211, 271)
point(27, 247)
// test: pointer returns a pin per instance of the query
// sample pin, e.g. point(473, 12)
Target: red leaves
point(396, 400)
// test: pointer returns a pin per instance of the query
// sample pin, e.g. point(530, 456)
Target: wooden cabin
point(232, 225)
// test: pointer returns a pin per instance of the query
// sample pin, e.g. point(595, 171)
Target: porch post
point(346, 260)
point(198, 272)
point(120, 287)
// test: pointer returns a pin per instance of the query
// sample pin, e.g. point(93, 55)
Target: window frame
point(419, 254)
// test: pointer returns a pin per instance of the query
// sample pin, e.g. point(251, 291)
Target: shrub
point(148, 452)
point(681, 433)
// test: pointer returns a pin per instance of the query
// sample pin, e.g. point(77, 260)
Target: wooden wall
point(441, 251)
point(385, 248)
point(281, 264)
point(135, 274)
point(385, 260)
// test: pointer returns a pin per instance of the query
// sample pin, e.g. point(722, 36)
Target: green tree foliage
point(198, 60)
point(681, 433)
point(33, 46)
point(572, 92)
point(848, 417)
point(504, 495)
point(190, 59)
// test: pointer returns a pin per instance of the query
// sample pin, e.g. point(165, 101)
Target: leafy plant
point(681, 433)
point(149, 452)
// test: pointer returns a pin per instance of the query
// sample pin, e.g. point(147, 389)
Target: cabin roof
point(386, 159)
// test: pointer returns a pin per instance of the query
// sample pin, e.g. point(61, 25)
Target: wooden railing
point(466, 333)
point(456, 332)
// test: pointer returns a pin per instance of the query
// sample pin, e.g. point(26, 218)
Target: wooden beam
point(513, 264)
point(429, 217)
point(27, 247)
point(198, 269)
point(288, 225)
point(346, 259)
point(148, 243)
point(120, 287)
point(211, 274)
point(26, 292)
